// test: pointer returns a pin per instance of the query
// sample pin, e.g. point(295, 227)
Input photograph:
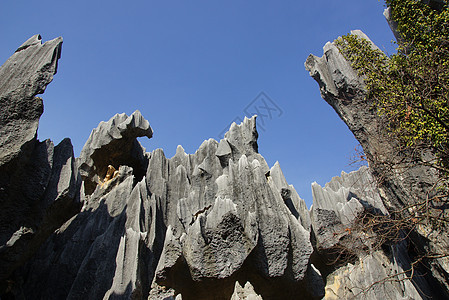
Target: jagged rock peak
point(244, 136)
point(295, 204)
point(358, 184)
point(34, 40)
point(241, 139)
point(400, 187)
point(190, 224)
point(113, 143)
point(38, 181)
point(357, 261)
point(31, 68)
point(334, 73)
point(339, 203)
point(24, 75)
point(237, 192)
point(120, 126)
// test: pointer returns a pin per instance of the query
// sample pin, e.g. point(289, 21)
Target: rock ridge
point(38, 181)
point(398, 188)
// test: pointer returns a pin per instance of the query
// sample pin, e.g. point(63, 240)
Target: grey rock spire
point(38, 181)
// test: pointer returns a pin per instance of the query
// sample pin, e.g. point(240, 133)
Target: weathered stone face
point(399, 188)
point(24, 75)
point(113, 143)
point(192, 222)
point(38, 181)
point(148, 224)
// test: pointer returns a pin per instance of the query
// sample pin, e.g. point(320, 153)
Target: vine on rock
point(410, 88)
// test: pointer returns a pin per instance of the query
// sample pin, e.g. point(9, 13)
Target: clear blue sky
point(191, 67)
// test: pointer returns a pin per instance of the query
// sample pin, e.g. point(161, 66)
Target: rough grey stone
point(371, 272)
point(80, 258)
point(393, 25)
point(345, 91)
point(113, 143)
point(245, 293)
point(399, 187)
point(192, 223)
point(224, 214)
point(295, 204)
point(32, 211)
point(369, 278)
point(340, 202)
point(24, 75)
point(38, 182)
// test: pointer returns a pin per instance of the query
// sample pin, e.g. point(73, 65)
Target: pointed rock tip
point(252, 119)
point(315, 184)
point(275, 166)
point(362, 35)
point(328, 46)
point(246, 119)
point(310, 63)
point(223, 148)
point(137, 120)
point(180, 150)
point(34, 40)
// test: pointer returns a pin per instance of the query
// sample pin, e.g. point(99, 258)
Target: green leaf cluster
point(410, 89)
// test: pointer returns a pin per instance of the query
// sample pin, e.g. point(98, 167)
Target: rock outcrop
point(143, 225)
point(24, 75)
point(38, 181)
point(401, 187)
point(192, 224)
point(122, 223)
point(349, 255)
point(113, 143)
point(337, 206)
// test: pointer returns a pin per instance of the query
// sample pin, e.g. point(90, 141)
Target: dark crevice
point(118, 153)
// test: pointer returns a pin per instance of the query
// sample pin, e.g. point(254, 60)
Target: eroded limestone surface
point(38, 181)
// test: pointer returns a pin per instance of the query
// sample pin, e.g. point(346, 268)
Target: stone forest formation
point(120, 222)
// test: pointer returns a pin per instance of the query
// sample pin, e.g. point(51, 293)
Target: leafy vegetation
point(410, 89)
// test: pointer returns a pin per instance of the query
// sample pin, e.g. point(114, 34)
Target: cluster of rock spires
point(120, 222)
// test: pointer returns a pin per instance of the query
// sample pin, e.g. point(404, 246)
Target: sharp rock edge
point(334, 207)
point(38, 181)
